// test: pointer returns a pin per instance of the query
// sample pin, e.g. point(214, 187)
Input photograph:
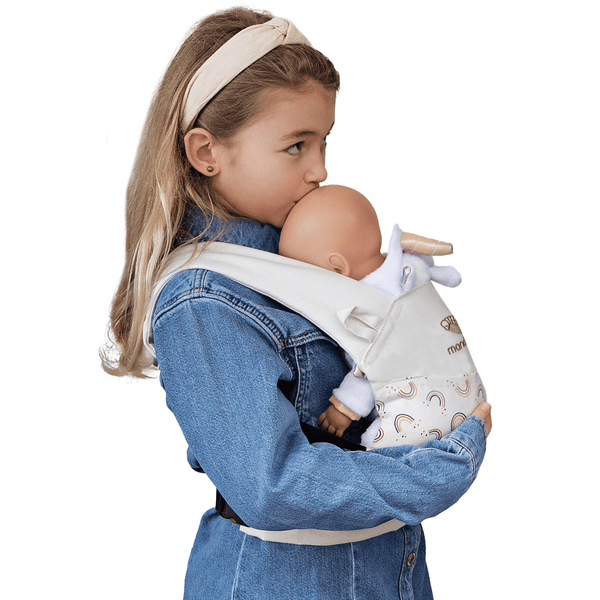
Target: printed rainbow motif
point(436, 433)
point(411, 393)
point(437, 397)
point(457, 419)
point(379, 437)
point(402, 419)
point(466, 392)
point(409, 407)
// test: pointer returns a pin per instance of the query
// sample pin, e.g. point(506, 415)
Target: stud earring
point(210, 169)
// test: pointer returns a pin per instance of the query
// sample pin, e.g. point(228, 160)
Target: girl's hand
point(484, 412)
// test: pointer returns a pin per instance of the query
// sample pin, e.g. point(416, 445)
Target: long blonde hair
point(163, 184)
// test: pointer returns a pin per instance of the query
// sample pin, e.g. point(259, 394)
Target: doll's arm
point(354, 396)
point(352, 400)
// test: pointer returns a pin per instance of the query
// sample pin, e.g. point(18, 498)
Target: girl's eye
point(295, 149)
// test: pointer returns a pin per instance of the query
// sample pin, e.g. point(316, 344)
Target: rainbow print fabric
point(416, 410)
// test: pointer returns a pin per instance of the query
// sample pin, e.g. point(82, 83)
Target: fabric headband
point(237, 54)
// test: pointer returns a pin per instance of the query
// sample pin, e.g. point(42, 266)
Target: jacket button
point(411, 559)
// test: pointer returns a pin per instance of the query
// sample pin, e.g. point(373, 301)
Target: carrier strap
point(336, 304)
point(389, 338)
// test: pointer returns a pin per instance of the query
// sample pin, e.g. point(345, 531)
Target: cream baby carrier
point(408, 344)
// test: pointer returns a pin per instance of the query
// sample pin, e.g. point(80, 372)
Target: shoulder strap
point(349, 311)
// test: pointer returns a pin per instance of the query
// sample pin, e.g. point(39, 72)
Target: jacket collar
point(242, 232)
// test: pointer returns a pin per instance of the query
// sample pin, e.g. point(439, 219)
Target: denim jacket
point(240, 373)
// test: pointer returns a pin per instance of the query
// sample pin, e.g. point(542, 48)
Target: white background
point(472, 121)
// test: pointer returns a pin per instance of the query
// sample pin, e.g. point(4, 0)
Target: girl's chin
point(280, 219)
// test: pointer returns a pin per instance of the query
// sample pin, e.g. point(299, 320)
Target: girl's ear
point(338, 263)
point(199, 148)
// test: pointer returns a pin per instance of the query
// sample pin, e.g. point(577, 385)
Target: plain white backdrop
point(472, 121)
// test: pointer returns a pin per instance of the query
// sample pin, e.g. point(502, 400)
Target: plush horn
point(422, 245)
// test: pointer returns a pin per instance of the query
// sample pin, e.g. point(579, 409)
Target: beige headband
point(231, 59)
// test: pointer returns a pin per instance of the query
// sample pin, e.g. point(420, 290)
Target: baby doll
point(336, 228)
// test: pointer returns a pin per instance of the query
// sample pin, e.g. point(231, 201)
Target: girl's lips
point(309, 191)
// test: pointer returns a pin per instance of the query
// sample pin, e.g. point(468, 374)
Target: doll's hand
point(333, 421)
point(484, 411)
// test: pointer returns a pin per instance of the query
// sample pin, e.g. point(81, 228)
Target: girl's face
point(279, 157)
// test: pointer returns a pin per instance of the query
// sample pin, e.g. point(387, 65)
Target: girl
point(236, 136)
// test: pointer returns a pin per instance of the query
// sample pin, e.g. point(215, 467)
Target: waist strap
point(322, 537)
point(311, 537)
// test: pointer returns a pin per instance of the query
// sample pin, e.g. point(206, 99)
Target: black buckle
point(316, 435)
point(226, 511)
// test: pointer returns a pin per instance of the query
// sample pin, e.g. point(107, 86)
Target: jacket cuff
point(472, 436)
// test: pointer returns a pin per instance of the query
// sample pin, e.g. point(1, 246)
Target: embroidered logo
point(450, 324)
point(453, 349)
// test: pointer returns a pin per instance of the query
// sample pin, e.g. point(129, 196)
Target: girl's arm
point(221, 370)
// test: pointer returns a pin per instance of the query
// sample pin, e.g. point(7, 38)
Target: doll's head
point(334, 227)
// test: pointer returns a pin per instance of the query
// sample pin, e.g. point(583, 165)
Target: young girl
point(234, 138)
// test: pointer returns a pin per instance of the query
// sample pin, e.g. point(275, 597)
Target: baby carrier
point(409, 346)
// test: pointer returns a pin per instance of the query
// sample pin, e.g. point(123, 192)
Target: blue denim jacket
point(240, 372)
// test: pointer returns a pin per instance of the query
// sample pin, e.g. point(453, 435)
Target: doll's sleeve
point(356, 394)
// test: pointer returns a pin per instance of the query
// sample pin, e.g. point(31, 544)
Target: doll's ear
point(338, 263)
point(200, 150)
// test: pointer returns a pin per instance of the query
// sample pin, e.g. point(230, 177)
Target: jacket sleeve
point(221, 370)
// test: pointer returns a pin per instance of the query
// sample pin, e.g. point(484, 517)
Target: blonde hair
point(163, 184)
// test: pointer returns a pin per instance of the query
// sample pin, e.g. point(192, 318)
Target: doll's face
point(280, 157)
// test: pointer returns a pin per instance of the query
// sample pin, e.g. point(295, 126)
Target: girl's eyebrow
point(298, 134)
point(303, 133)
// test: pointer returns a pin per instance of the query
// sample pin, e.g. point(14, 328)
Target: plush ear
point(200, 150)
point(338, 263)
point(447, 276)
point(394, 255)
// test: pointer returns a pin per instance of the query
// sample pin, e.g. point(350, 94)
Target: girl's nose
point(316, 173)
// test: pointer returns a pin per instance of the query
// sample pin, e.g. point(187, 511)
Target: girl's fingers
point(484, 412)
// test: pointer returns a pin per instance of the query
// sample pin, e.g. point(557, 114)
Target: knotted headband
point(237, 54)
